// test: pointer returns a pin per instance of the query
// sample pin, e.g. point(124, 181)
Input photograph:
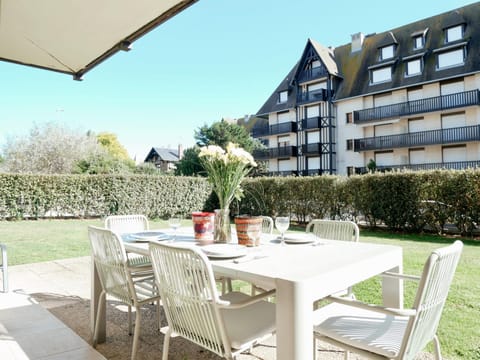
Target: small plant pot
point(249, 229)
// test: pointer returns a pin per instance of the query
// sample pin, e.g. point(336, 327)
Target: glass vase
point(222, 232)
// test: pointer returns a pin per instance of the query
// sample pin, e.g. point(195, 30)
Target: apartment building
point(404, 98)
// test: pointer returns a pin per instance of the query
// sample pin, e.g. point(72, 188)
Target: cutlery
point(249, 258)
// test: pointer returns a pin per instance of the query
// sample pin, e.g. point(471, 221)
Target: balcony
point(312, 96)
point(312, 123)
point(275, 129)
point(283, 173)
point(312, 149)
point(312, 74)
point(452, 101)
point(273, 153)
point(283, 128)
point(457, 165)
point(432, 137)
point(260, 131)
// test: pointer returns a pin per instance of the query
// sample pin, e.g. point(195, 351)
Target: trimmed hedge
point(406, 201)
point(39, 196)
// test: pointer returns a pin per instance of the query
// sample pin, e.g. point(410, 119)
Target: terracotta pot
point(203, 226)
point(249, 229)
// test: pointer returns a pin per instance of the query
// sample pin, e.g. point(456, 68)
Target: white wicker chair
point(334, 229)
point(119, 280)
point(226, 325)
point(122, 224)
point(384, 333)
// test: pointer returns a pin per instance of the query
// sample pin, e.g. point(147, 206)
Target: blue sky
point(217, 59)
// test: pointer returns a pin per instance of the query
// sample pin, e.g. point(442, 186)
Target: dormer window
point(386, 52)
point(453, 33)
point(418, 42)
point(283, 96)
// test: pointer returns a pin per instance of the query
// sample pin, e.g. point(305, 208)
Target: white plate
point(224, 251)
point(297, 239)
point(149, 235)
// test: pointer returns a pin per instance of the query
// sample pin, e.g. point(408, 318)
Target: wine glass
point(282, 224)
point(175, 221)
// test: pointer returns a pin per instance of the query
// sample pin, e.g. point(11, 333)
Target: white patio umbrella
point(73, 36)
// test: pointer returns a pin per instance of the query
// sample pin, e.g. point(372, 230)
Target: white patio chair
point(119, 280)
point(377, 332)
point(335, 230)
point(123, 224)
point(226, 325)
point(267, 225)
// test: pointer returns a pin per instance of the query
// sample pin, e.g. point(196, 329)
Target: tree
point(189, 164)
point(49, 148)
point(109, 142)
point(222, 132)
point(219, 133)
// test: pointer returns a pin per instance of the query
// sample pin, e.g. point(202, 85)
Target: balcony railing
point(311, 96)
point(283, 173)
point(312, 74)
point(275, 129)
point(312, 149)
point(311, 123)
point(452, 101)
point(259, 131)
point(283, 128)
point(312, 172)
point(431, 137)
point(456, 165)
point(273, 153)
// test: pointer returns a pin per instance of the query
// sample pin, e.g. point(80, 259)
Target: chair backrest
point(189, 295)
point(110, 259)
point(430, 299)
point(127, 223)
point(334, 229)
point(267, 225)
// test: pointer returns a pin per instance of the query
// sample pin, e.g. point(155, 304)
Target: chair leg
point(136, 335)
point(166, 344)
point(436, 345)
point(100, 309)
point(130, 331)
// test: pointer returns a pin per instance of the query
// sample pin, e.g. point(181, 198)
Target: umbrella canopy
point(73, 36)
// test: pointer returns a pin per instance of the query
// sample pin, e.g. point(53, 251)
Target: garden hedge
point(405, 201)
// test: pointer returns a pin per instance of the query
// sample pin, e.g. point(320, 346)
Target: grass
point(459, 331)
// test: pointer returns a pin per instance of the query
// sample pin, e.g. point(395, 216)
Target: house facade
point(164, 159)
point(404, 98)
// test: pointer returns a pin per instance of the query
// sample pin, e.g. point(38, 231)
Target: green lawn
point(459, 332)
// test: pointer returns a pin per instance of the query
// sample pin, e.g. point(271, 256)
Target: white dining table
point(301, 275)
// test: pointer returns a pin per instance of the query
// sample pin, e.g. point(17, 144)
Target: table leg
point(392, 289)
point(294, 321)
point(96, 289)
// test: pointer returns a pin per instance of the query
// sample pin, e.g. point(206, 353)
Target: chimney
point(180, 151)
point(357, 41)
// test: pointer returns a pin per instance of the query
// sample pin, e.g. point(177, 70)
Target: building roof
point(353, 69)
point(164, 154)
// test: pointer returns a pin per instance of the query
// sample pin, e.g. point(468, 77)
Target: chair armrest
point(223, 304)
point(371, 307)
point(400, 276)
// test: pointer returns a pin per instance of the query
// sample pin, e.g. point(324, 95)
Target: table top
point(334, 264)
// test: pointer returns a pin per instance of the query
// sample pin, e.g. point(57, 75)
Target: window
point(349, 118)
point(418, 42)
point(350, 144)
point(454, 153)
point(417, 156)
point(282, 96)
point(451, 58)
point(414, 67)
point(386, 52)
point(454, 33)
point(381, 75)
point(350, 170)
